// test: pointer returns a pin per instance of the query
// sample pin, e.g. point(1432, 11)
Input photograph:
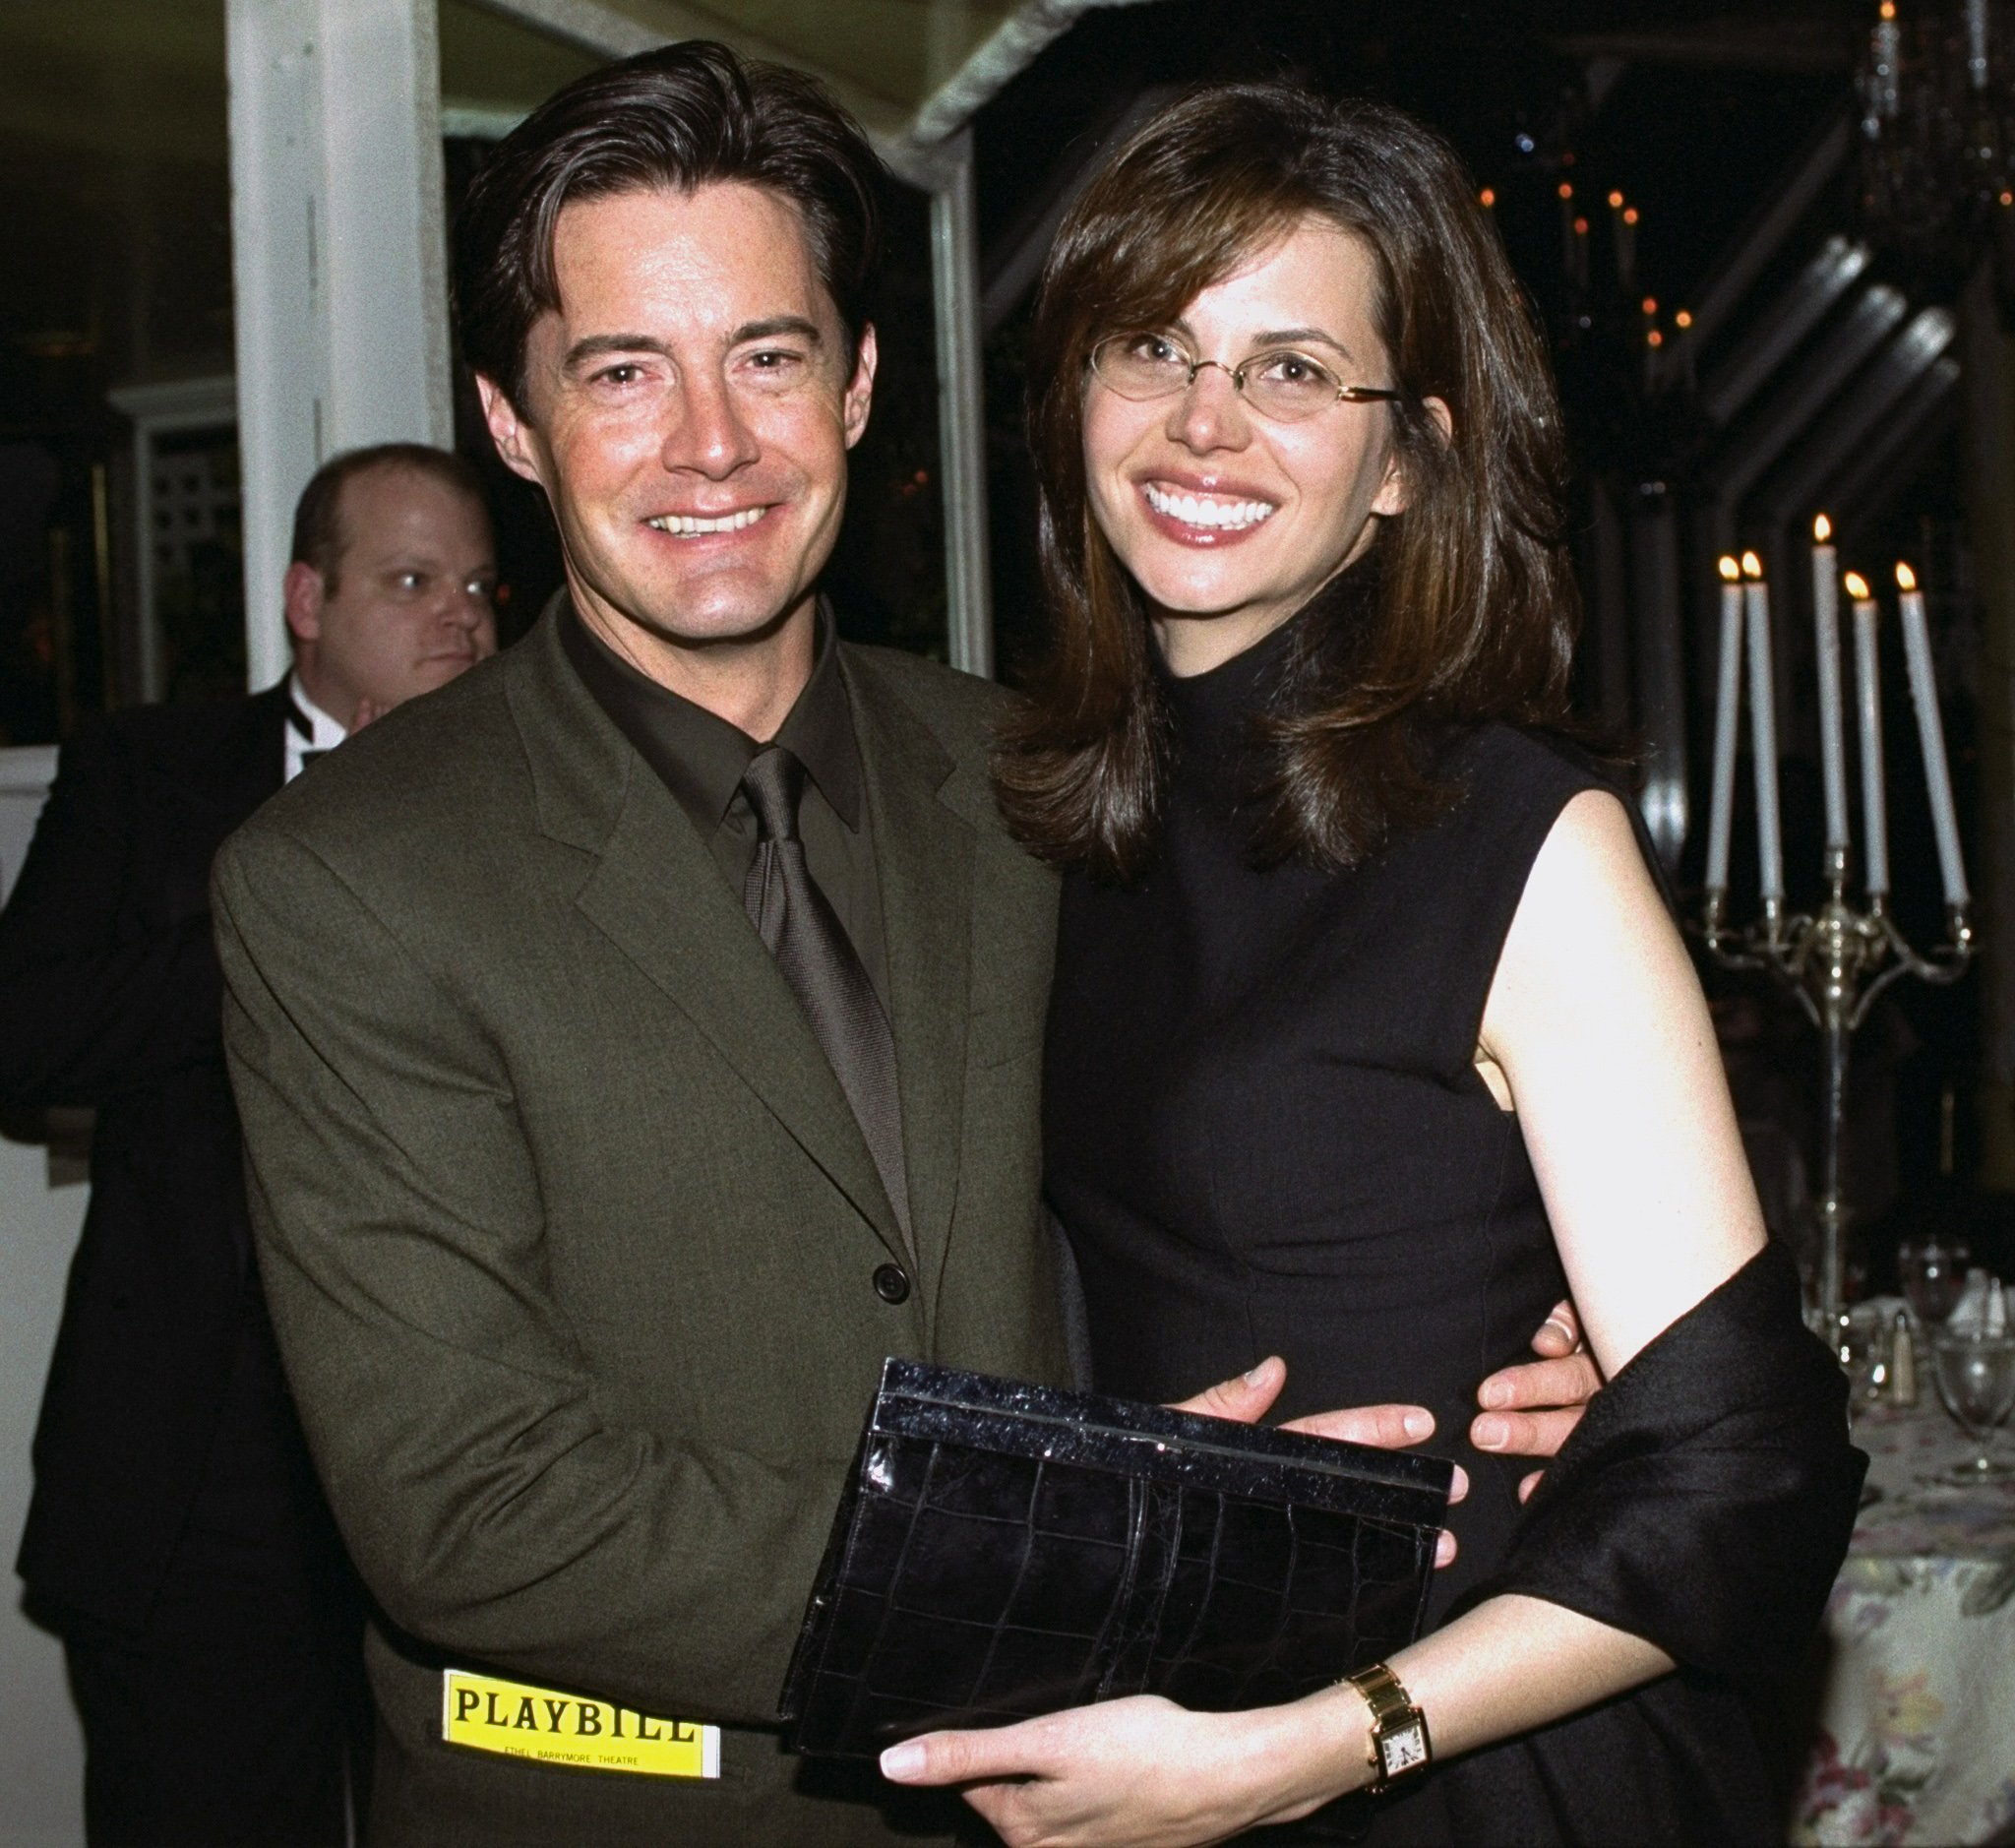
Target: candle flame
point(1580, 227)
point(1858, 586)
point(1752, 566)
point(1630, 213)
point(1888, 9)
point(1487, 198)
point(1654, 339)
point(1906, 578)
point(1616, 202)
point(1566, 190)
point(1683, 319)
point(1822, 529)
point(1650, 304)
point(1730, 569)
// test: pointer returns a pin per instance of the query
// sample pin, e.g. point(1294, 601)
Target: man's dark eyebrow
point(600, 345)
point(775, 324)
point(597, 345)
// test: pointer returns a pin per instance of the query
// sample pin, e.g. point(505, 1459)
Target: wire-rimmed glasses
point(1285, 385)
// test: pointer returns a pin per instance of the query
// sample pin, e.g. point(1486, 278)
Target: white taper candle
point(1826, 631)
point(1763, 731)
point(1868, 688)
point(1721, 815)
point(1931, 733)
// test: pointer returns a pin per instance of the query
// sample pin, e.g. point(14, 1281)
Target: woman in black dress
point(1371, 1035)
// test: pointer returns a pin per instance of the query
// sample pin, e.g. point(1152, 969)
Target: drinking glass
point(1933, 1277)
point(1977, 1381)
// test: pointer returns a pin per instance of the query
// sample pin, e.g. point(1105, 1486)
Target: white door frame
point(340, 259)
point(159, 410)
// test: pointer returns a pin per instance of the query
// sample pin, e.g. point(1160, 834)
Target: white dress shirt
point(310, 730)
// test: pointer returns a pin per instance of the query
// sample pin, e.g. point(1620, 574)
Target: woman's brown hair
point(1463, 611)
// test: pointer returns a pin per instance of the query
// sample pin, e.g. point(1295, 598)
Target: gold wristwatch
point(1399, 1729)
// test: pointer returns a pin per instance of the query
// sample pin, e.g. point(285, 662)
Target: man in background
point(177, 1539)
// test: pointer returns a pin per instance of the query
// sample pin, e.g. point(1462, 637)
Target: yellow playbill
point(525, 1722)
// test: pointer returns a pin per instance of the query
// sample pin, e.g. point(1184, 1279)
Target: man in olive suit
point(639, 1040)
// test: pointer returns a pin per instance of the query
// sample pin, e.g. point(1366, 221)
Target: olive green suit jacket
point(570, 1237)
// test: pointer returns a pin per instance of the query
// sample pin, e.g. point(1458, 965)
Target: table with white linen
point(1915, 1737)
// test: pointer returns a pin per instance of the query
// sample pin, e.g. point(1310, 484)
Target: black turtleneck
point(1264, 1130)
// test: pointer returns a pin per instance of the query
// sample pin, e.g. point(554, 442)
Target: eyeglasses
point(1285, 386)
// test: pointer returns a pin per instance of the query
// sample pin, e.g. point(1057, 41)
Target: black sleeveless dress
point(1264, 1132)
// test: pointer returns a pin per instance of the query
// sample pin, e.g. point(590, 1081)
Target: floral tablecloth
point(1917, 1722)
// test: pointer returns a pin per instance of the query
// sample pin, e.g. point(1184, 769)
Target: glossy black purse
point(1004, 1550)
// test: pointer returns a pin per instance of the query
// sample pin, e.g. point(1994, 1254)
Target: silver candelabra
point(1836, 961)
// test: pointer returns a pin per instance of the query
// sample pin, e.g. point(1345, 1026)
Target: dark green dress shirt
point(701, 758)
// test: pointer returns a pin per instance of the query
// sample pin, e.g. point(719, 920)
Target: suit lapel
point(923, 861)
point(656, 893)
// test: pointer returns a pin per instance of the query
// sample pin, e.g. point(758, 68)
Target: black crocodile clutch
point(1005, 1549)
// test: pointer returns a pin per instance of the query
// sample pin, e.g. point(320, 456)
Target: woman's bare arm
point(1598, 1021)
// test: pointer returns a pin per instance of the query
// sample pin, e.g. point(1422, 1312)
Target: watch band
point(1399, 1729)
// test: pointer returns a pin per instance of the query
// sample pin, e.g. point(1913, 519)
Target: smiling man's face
point(689, 410)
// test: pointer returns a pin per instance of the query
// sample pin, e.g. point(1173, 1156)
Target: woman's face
point(1226, 520)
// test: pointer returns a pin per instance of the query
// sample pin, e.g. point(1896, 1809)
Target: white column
point(340, 259)
point(961, 405)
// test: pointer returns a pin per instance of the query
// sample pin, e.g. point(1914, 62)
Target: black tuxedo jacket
point(110, 995)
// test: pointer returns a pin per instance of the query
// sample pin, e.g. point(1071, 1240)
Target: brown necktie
point(801, 929)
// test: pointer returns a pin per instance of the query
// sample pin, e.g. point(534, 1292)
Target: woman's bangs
point(1155, 262)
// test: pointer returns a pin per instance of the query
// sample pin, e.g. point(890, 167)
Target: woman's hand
point(1245, 1399)
point(1142, 1772)
point(1533, 1410)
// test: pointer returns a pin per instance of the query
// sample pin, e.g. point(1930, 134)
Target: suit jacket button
point(891, 1284)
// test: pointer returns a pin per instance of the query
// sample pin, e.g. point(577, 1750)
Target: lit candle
point(1931, 733)
point(1624, 236)
point(1763, 730)
point(1832, 735)
point(1868, 686)
point(1722, 816)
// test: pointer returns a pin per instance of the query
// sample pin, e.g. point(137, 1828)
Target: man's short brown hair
point(678, 118)
point(318, 537)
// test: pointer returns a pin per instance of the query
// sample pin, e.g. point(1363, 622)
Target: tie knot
point(773, 782)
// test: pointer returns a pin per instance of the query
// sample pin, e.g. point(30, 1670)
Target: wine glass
point(1933, 1277)
point(1862, 1346)
point(1977, 1381)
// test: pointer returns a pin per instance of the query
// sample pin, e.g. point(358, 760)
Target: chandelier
point(1936, 85)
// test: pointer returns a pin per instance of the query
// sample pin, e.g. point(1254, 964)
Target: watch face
point(1404, 1748)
